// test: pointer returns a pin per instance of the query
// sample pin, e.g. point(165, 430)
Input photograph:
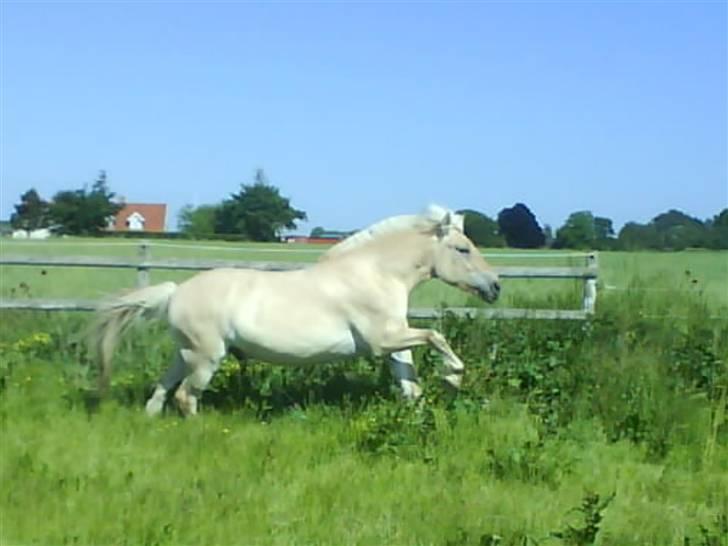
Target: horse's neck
point(409, 257)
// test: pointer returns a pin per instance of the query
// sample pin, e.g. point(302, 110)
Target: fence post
point(590, 285)
point(143, 272)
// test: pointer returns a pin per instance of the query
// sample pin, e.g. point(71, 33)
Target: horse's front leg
point(454, 366)
point(406, 338)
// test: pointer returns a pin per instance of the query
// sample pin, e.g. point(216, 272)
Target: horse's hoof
point(410, 390)
point(454, 380)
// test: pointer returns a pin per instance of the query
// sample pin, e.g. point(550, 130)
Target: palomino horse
point(353, 301)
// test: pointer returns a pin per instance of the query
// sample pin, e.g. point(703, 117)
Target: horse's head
point(458, 261)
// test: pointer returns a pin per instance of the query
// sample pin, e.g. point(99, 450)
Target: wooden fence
point(145, 264)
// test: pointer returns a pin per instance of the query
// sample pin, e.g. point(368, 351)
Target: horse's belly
point(286, 318)
point(293, 349)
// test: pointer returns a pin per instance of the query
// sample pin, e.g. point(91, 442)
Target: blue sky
point(362, 110)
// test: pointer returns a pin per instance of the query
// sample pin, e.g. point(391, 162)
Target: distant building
point(42, 233)
point(140, 217)
point(324, 238)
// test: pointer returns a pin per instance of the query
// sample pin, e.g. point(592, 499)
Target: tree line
point(84, 211)
point(517, 227)
point(258, 212)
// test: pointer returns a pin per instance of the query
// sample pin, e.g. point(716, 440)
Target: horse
point(352, 302)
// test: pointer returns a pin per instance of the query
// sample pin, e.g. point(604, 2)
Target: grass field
point(606, 432)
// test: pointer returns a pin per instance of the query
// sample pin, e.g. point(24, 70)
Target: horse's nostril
point(496, 287)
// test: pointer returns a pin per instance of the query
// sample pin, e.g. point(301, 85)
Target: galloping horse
point(353, 301)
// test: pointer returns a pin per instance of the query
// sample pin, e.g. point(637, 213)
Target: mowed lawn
point(694, 274)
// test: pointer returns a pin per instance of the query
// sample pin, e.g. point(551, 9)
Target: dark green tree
point(481, 229)
point(84, 212)
point(318, 231)
point(31, 213)
point(257, 211)
point(519, 227)
point(198, 222)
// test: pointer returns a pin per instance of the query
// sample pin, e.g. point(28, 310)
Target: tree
point(67, 211)
point(83, 212)
point(718, 231)
point(519, 227)
point(577, 232)
point(677, 231)
point(198, 222)
point(548, 235)
point(257, 211)
point(671, 230)
point(603, 228)
point(481, 229)
point(318, 231)
point(31, 213)
point(635, 236)
point(583, 230)
point(721, 219)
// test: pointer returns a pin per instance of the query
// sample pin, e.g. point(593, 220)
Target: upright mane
point(424, 221)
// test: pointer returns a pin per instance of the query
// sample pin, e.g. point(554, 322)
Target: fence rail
point(509, 272)
point(144, 264)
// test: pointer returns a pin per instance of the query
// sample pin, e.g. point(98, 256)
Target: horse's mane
point(425, 221)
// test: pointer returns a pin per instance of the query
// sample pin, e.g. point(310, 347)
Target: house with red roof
point(140, 217)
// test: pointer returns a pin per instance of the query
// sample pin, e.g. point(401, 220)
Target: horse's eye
point(463, 250)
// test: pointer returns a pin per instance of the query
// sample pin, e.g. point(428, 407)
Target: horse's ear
point(445, 225)
point(458, 220)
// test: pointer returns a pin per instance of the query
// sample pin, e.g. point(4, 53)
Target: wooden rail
point(588, 273)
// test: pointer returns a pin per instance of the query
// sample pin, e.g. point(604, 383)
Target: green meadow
point(702, 273)
point(612, 431)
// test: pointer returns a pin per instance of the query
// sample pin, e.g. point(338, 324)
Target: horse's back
point(274, 316)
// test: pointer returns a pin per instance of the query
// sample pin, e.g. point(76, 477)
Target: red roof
point(153, 216)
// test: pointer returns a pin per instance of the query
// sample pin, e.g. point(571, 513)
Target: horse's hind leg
point(202, 366)
point(174, 374)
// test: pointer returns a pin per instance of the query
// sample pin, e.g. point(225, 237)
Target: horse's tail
point(116, 315)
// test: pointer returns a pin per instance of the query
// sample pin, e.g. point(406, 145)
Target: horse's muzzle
point(489, 291)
